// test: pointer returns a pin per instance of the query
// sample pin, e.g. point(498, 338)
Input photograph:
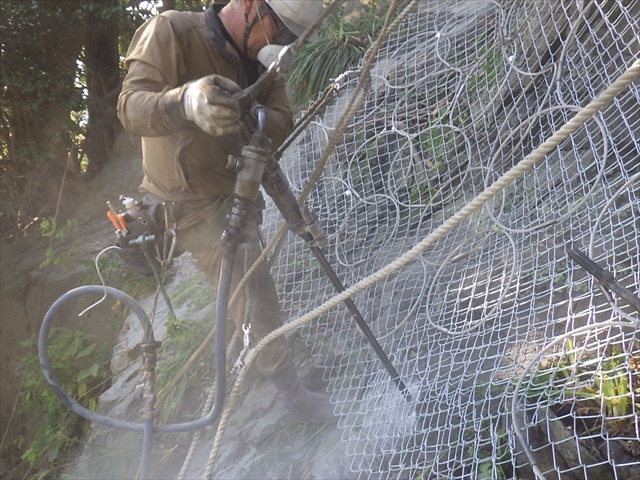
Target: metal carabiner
point(246, 338)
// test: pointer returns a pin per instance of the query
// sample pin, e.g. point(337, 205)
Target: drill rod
point(276, 185)
point(357, 316)
point(604, 277)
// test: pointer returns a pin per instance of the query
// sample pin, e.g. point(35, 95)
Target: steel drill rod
point(604, 277)
point(357, 316)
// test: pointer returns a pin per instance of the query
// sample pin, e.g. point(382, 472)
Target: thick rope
point(516, 172)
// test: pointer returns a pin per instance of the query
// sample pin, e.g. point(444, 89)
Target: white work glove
point(209, 102)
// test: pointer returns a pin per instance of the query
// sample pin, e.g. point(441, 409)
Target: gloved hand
point(209, 102)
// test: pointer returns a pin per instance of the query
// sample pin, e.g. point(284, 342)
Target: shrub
point(340, 46)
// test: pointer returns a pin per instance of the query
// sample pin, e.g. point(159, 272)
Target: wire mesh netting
point(512, 355)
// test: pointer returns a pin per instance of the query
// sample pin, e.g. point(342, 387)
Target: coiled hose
point(147, 427)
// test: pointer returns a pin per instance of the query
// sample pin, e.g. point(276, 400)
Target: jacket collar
point(219, 40)
point(215, 34)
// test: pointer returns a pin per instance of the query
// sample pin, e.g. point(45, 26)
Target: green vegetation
point(487, 454)
point(340, 46)
point(492, 450)
point(197, 292)
point(435, 141)
point(601, 384)
point(118, 275)
point(61, 74)
point(184, 337)
point(82, 370)
point(485, 78)
point(613, 385)
point(79, 362)
point(59, 236)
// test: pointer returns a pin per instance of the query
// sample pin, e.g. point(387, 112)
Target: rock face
point(260, 440)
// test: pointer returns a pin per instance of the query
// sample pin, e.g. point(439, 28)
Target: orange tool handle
point(122, 222)
point(114, 221)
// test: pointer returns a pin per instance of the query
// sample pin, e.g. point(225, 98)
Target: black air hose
point(96, 417)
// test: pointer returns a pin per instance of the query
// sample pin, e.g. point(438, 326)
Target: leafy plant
point(609, 386)
point(184, 337)
point(57, 84)
point(487, 454)
point(81, 368)
point(197, 293)
point(613, 384)
point(488, 447)
point(49, 228)
point(119, 276)
point(340, 45)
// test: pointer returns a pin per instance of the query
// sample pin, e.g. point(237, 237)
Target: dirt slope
point(27, 290)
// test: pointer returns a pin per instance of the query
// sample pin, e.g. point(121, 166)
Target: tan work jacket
point(181, 163)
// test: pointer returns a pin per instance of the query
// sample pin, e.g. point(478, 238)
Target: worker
point(182, 69)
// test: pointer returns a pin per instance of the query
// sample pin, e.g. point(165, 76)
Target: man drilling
point(183, 69)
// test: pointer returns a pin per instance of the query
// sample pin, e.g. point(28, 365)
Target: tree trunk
point(40, 46)
point(103, 81)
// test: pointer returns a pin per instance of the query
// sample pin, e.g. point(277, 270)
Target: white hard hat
point(297, 15)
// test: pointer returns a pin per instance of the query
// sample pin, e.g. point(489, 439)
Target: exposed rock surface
point(260, 441)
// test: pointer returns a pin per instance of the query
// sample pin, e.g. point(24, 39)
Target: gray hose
point(96, 417)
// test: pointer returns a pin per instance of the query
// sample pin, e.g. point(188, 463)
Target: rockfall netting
point(516, 362)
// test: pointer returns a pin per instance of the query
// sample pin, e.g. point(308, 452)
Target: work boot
point(304, 405)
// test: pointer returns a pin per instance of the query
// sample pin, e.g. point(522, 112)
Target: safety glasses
point(283, 35)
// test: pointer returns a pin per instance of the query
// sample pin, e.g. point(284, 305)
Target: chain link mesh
point(494, 329)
